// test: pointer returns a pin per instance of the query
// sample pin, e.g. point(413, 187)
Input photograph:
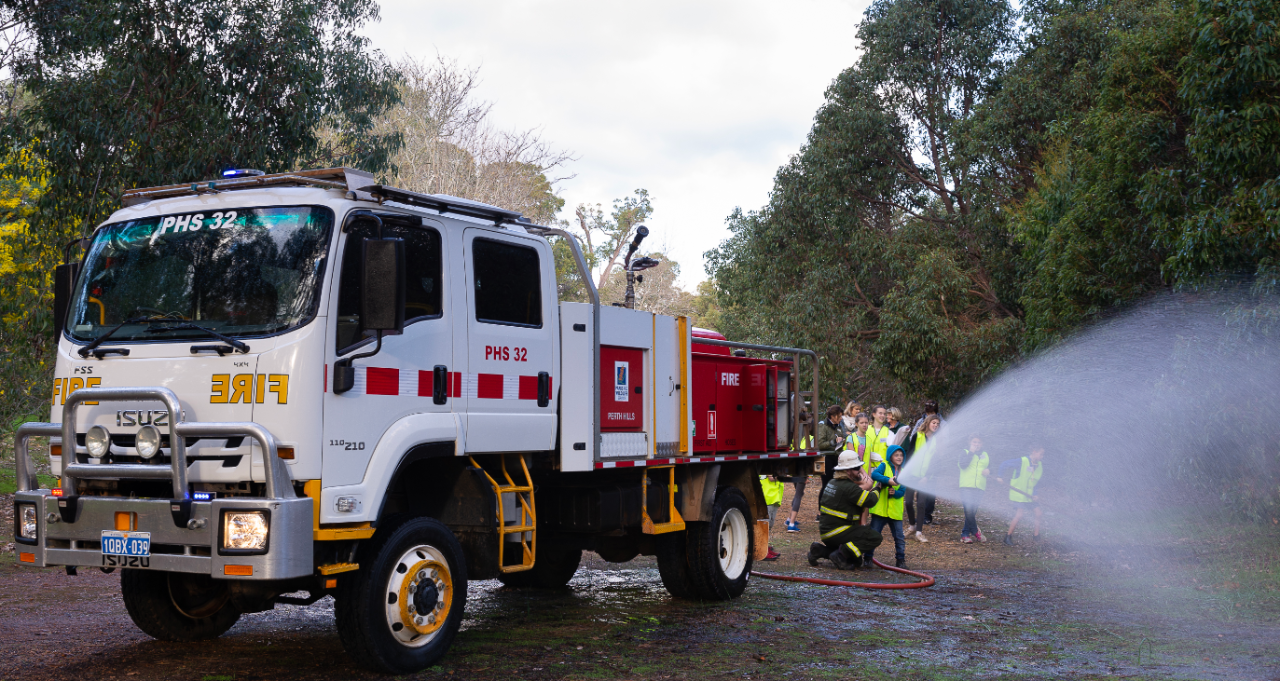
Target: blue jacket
point(882, 474)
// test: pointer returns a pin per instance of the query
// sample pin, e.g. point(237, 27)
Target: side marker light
point(238, 570)
point(27, 557)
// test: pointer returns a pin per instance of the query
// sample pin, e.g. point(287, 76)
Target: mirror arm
point(344, 374)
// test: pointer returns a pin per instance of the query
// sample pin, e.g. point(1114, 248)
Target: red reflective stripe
point(326, 378)
point(381, 381)
point(528, 388)
point(455, 384)
point(426, 379)
point(489, 386)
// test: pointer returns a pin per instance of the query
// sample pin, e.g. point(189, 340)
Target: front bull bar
point(78, 519)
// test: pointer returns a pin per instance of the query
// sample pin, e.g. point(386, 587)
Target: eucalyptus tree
point(879, 246)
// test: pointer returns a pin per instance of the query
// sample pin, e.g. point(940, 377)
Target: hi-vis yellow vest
point(1023, 485)
point(772, 491)
point(851, 444)
point(971, 475)
point(887, 507)
point(806, 443)
point(878, 442)
point(922, 456)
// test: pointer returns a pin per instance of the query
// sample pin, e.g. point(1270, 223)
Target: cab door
point(513, 361)
point(399, 380)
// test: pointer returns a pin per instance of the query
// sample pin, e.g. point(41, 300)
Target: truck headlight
point(97, 441)
point(27, 521)
point(147, 441)
point(245, 531)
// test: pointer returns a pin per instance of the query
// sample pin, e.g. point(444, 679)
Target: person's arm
point(879, 476)
point(1008, 464)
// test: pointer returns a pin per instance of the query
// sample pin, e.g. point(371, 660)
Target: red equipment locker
point(754, 421)
point(729, 406)
point(621, 399)
point(705, 427)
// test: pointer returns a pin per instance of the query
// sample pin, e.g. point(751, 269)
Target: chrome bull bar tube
point(276, 476)
point(23, 466)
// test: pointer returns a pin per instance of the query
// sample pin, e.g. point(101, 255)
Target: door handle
point(440, 384)
point(544, 388)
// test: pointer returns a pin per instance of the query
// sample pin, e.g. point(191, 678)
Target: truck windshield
point(242, 272)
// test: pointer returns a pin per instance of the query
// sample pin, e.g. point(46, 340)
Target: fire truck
point(272, 388)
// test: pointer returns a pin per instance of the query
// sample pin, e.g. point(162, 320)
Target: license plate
point(128, 544)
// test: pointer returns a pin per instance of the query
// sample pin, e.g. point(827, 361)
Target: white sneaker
point(910, 529)
point(920, 536)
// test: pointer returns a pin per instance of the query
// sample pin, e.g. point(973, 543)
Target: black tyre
point(720, 551)
point(175, 606)
point(400, 611)
point(551, 570)
point(673, 565)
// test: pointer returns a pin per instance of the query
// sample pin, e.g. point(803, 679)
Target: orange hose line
point(926, 580)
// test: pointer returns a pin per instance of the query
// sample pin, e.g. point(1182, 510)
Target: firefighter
point(845, 541)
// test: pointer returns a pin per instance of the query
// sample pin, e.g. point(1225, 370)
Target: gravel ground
point(1030, 611)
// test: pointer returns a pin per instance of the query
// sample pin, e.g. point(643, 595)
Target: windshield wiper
point(196, 327)
point(84, 352)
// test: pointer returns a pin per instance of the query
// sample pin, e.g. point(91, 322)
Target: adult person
point(974, 471)
point(883, 437)
point(845, 541)
point(1022, 488)
point(930, 407)
point(919, 505)
point(888, 510)
point(829, 440)
point(895, 421)
point(851, 411)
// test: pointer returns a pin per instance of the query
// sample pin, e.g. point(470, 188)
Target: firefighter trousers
point(855, 541)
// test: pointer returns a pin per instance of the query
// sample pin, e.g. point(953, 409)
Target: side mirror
point(64, 283)
point(382, 286)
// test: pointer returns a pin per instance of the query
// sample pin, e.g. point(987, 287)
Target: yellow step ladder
point(528, 517)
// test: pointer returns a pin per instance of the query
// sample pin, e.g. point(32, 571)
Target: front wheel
point(400, 611)
point(720, 552)
point(174, 606)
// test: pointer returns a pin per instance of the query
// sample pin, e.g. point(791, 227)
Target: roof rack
point(442, 203)
point(348, 179)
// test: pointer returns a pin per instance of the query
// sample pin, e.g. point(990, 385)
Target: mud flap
point(761, 540)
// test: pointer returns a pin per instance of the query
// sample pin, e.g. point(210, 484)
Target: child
point(888, 510)
point(773, 489)
point(1022, 487)
point(973, 483)
point(919, 505)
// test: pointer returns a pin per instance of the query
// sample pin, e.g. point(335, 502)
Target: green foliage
point(876, 248)
point(122, 95)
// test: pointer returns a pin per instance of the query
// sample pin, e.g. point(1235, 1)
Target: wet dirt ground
point(1033, 610)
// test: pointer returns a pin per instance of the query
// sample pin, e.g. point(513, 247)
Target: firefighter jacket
point(890, 503)
point(1023, 485)
point(971, 467)
point(830, 436)
point(841, 506)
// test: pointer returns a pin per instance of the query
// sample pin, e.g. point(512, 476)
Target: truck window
point(422, 259)
point(508, 283)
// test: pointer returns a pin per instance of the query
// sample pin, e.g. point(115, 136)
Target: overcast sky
point(699, 102)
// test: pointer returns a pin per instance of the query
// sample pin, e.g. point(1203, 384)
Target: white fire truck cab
point(309, 383)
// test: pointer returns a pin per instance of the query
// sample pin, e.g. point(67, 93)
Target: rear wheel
point(400, 611)
point(551, 570)
point(720, 551)
point(175, 606)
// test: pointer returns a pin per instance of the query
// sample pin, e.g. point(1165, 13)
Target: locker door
point(729, 407)
point(754, 401)
point(705, 427)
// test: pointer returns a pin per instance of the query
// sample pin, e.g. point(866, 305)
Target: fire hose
point(925, 580)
